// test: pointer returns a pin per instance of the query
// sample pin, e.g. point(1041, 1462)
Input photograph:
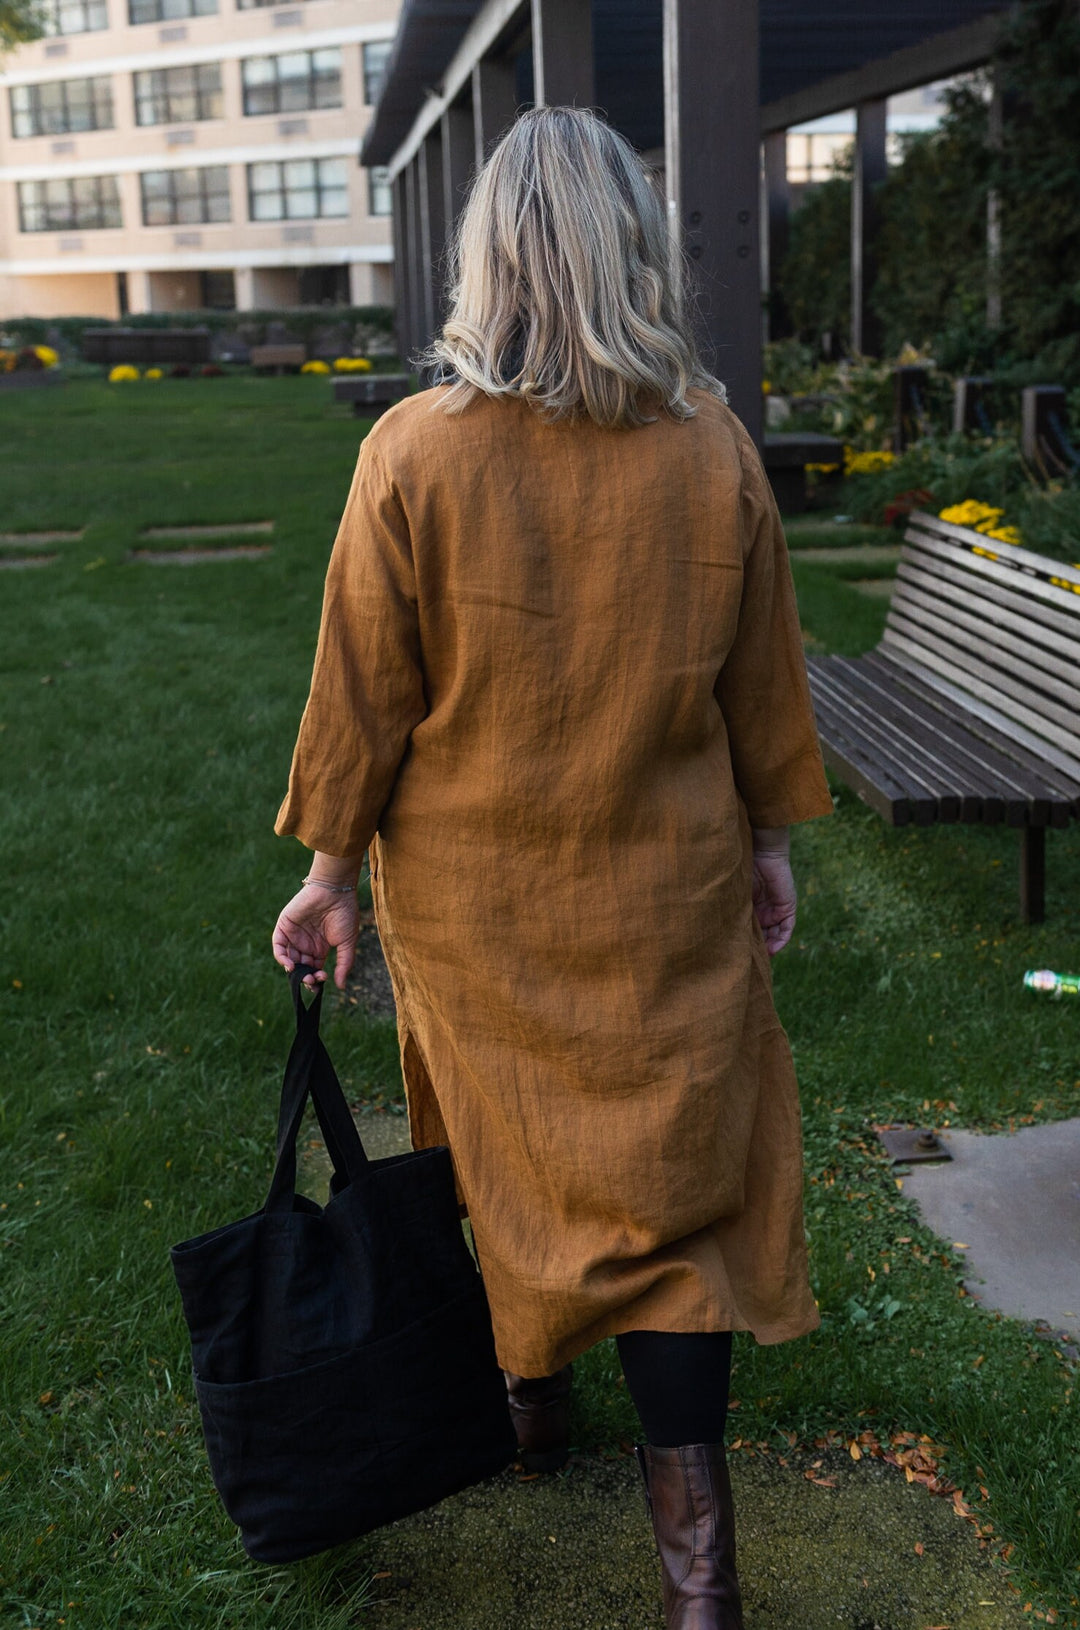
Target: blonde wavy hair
point(566, 288)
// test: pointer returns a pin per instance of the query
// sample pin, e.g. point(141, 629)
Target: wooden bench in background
point(278, 358)
point(969, 708)
point(371, 394)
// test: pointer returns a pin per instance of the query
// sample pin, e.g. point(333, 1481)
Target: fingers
point(346, 952)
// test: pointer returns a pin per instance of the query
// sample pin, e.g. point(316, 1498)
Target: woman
point(560, 697)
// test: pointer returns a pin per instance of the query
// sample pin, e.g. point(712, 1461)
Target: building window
point(294, 82)
point(380, 191)
point(376, 56)
point(61, 107)
point(185, 197)
point(74, 16)
point(249, 5)
point(166, 11)
point(169, 96)
point(85, 202)
point(297, 189)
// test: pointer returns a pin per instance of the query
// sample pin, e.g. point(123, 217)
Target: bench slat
point(989, 684)
point(1024, 793)
point(979, 799)
point(912, 602)
point(988, 556)
point(1049, 625)
point(859, 765)
point(982, 717)
point(919, 768)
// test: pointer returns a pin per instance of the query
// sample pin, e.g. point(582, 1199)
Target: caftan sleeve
point(367, 687)
point(762, 688)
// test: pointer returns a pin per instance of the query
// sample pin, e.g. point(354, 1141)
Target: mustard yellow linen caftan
point(559, 677)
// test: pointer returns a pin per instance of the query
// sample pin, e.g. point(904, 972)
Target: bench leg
point(1033, 874)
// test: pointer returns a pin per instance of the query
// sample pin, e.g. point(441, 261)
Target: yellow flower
point(1004, 534)
point(352, 365)
point(866, 463)
point(122, 372)
point(971, 513)
point(47, 355)
point(153, 373)
point(7, 362)
point(315, 367)
point(766, 385)
point(824, 468)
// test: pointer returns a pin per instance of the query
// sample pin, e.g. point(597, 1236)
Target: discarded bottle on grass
point(1054, 984)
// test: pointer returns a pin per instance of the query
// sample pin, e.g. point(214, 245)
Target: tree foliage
point(20, 21)
point(932, 259)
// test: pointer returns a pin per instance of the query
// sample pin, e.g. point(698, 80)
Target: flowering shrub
point(180, 371)
point(210, 370)
point(982, 518)
point(46, 355)
point(315, 367)
point(122, 373)
point(352, 365)
point(153, 373)
point(901, 504)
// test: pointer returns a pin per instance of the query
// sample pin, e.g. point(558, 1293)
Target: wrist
point(772, 841)
point(329, 885)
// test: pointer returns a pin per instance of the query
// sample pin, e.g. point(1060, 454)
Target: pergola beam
point(953, 51)
point(495, 20)
point(494, 101)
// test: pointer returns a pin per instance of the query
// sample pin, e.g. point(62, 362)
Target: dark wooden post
point(777, 221)
point(415, 271)
point(494, 100)
point(562, 51)
point(713, 161)
point(402, 279)
point(995, 140)
point(458, 153)
point(969, 406)
point(432, 229)
point(1033, 874)
point(870, 171)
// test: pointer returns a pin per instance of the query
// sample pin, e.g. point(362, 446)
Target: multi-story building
point(159, 155)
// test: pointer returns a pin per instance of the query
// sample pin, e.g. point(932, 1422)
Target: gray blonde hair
point(566, 289)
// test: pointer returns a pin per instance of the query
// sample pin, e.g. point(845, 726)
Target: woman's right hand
point(314, 922)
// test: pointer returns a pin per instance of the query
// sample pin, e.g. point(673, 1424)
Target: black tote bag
point(343, 1355)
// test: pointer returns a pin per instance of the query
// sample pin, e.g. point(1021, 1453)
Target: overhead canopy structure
point(702, 82)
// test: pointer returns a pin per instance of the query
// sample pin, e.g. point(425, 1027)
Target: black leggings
point(679, 1384)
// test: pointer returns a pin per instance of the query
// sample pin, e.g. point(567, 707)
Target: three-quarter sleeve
point(367, 688)
point(762, 688)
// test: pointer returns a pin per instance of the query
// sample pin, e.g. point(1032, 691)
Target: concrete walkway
point(1012, 1200)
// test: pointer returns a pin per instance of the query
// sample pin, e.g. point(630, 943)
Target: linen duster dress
point(559, 677)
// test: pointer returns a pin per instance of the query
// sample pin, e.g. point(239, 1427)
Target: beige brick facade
point(245, 188)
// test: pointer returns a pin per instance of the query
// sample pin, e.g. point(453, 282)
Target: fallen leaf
point(824, 1482)
point(855, 1451)
point(918, 1547)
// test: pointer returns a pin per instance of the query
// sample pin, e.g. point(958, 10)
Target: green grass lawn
point(146, 722)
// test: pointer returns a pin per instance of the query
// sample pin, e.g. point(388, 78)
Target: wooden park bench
point(278, 357)
point(969, 708)
point(371, 394)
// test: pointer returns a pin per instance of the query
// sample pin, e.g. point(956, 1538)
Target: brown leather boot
point(688, 1493)
point(540, 1411)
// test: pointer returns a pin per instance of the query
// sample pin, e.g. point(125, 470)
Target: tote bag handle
point(310, 1072)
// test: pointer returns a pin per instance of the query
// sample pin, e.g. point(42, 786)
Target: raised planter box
point(30, 378)
point(111, 346)
point(786, 455)
point(278, 358)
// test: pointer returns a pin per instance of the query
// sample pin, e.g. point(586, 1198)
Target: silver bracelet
point(335, 888)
